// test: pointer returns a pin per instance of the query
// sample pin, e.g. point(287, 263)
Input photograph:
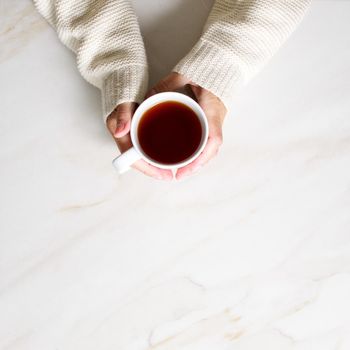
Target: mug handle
point(123, 163)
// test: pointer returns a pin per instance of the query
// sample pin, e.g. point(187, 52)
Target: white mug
point(135, 153)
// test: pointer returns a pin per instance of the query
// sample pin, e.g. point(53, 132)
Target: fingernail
point(119, 128)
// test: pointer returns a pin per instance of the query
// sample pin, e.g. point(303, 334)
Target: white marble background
point(252, 253)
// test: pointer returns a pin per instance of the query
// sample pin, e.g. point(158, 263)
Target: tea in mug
point(169, 132)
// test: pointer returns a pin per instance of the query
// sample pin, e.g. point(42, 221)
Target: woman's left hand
point(214, 109)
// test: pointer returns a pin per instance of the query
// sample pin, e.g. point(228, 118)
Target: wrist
point(128, 84)
point(213, 69)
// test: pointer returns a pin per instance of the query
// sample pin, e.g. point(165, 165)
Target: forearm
point(107, 41)
point(237, 41)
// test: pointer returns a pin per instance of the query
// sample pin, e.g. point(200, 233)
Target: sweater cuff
point(213, 69)
point(128, 84)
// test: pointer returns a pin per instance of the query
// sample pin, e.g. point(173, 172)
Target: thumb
point(172, 82)
point(196, 90)
point(119, 121)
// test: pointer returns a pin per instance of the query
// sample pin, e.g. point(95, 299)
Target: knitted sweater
point(238, 39)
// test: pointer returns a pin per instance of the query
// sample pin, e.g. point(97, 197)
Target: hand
point(118, 124)
point(214, 109)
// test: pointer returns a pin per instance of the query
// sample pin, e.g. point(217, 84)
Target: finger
point(152, 171)
point(215, 112)
point(119, 126)
point(210, 103)
point(119, 121)
point(124, 143)
point(210, 151)
point(196, 91)
point(125, 111)
point(172, 82)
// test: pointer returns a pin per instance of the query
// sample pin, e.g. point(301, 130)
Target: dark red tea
point(170, 132)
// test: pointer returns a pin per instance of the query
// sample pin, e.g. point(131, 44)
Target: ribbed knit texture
point(238, 39)
point(106, 38)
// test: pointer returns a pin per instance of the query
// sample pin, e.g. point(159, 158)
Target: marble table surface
point(251, 253)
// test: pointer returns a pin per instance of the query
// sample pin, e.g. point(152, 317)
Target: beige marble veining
point(251, 253)
point(20, 23)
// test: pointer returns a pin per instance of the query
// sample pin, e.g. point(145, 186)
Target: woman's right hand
point(118, 124)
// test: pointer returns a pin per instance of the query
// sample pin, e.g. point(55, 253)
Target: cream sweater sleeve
point(238, 39)
point(107, 41)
